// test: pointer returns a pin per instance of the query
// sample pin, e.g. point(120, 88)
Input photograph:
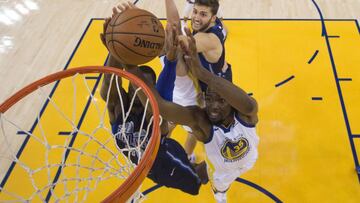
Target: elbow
point(252, 107)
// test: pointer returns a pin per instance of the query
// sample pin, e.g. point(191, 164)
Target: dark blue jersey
point(171, 167)
point(132, 135)
point(216, 68)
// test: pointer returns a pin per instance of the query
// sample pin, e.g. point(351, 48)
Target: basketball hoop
point(116, 165)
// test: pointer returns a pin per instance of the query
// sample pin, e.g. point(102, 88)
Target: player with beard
point(188, 9)
point(226, 125)
point(210, 37)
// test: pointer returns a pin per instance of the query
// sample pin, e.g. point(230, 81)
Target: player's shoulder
point(247, 121)
point(217, 31)
point(209, 37)
point(218, 26)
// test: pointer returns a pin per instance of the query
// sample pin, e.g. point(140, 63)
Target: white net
point(71, 153)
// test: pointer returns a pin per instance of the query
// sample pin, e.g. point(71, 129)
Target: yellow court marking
point(52, 122)
point(304, 151)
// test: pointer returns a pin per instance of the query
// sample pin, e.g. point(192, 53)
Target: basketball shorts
point(173, 169)
point(221, 180)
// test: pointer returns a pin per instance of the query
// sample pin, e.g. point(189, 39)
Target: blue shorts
point(173, 169)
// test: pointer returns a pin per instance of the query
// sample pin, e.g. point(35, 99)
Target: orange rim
point(131, 184)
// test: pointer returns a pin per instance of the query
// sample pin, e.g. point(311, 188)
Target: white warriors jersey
point(232, 148)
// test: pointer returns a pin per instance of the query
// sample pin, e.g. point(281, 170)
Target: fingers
point(178, 29)
point(191, 40)
point(122, 7)
point(131, 5)
point(125, 6)
point(168, 32)
point(167, 35)
point(175, 41)
point(188, 47)
point(173, 32)
point(183, 47)
point(115, 11)
point(168, 27)
point(187, 31)
point(189, 34)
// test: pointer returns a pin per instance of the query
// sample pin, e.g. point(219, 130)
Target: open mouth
point(196, 24)
point(214, 116)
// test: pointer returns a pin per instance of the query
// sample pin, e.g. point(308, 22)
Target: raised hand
point(123, 7)
point(116, 10)
point(171, 41)
point(191, 57)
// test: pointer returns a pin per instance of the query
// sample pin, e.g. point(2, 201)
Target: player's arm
point(188, 116)
point(166, 81)
point(234, 95)
point(172, 14)
point(207, 42)
point(111, 87)
point(204, 42)
point(187, 10)
point(111, 91)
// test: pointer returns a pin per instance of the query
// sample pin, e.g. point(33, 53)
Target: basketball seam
point(117, 54)
point(131, 49)
point(112, 39)
point(129, 19)
point(135, 33)
point(117, 17)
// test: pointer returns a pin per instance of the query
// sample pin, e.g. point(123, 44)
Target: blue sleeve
point(166, 82)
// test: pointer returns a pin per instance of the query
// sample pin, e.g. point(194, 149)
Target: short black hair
point(213, 4)
point(148, 70)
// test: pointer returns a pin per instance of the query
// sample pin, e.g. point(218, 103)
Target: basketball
point(135, 36)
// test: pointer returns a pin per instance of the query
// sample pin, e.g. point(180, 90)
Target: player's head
point(217, 108)
point(150, 76)
point(148, 73)
point(204, 13)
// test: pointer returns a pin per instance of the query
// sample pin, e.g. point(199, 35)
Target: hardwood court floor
point(307, 86)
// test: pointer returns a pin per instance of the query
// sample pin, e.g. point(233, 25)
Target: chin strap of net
point(86, 168)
